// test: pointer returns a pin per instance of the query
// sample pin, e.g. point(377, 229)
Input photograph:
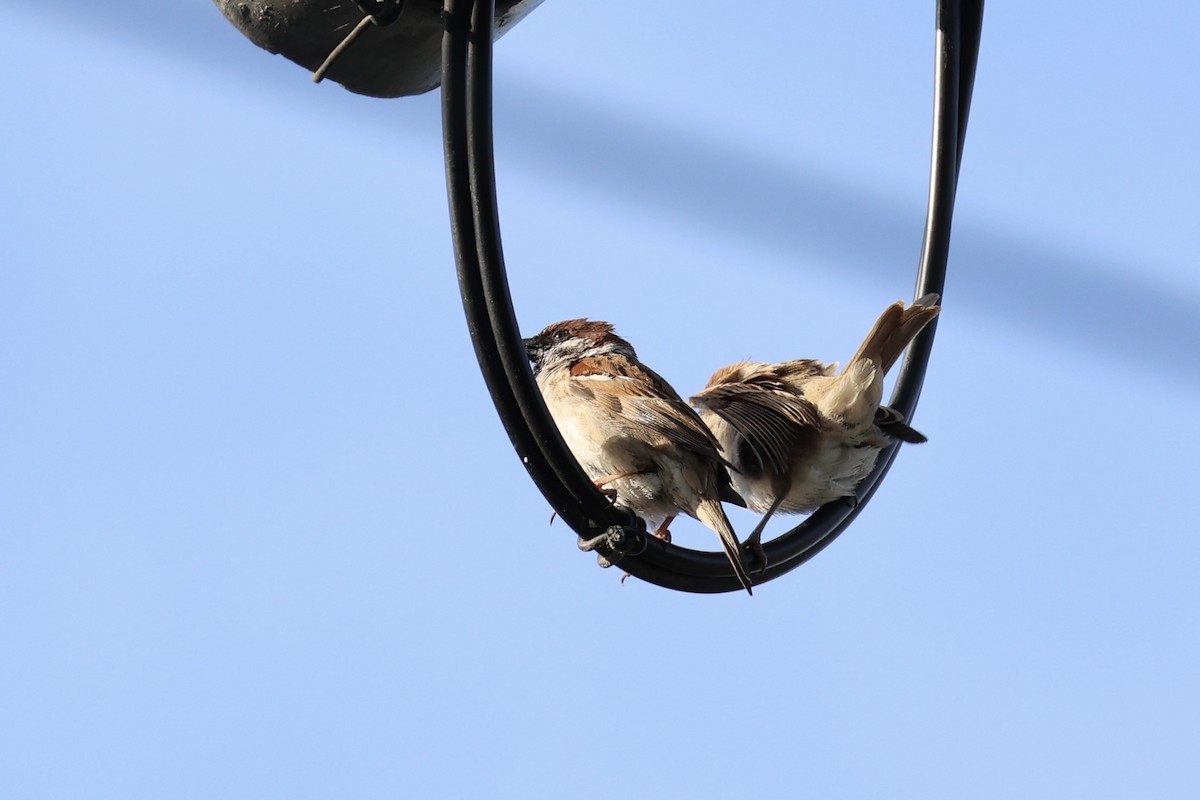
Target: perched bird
point(629, 430)
point(800, 436)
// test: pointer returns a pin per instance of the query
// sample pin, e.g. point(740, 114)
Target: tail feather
point(711, 514)
point(914, 320)
point(875, 346)
point(896, 327)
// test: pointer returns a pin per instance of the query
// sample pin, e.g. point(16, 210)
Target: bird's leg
point(604, 480)
point(754, 540)
point(611, 494)
point(662, 531)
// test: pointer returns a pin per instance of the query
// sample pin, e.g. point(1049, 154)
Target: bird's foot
point(663, 531)
point(758, 561)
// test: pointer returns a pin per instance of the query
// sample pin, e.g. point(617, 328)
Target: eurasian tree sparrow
point(798, 435)
point(630, 431)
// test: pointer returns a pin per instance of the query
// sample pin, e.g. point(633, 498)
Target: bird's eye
point(559, 335)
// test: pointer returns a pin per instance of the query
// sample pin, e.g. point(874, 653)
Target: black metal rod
point(455, 45)
point(958, 30)
point(495, 334)
point(487, 304)
point(497, 298)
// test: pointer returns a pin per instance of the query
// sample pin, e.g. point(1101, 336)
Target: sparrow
point(633, 435)
point(798, 434)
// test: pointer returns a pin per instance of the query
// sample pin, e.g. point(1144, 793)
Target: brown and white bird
point(633, 435)
point(800, 436)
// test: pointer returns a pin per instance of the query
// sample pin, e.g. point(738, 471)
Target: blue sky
point(265, 537)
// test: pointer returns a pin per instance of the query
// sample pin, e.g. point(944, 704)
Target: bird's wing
point(769, 417)
point(639, 395)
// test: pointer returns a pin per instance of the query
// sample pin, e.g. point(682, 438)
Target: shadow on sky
point(800, 212)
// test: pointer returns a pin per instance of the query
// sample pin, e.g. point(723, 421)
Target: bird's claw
point(758, 557)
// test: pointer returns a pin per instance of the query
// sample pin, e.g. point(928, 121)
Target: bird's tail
point(711, 514)
point(892, 332)
point(858, 391)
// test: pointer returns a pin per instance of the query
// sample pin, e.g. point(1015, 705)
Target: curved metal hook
point(483, 282)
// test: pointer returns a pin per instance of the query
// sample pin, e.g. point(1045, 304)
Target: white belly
point(602, 456)
point(821, 476)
